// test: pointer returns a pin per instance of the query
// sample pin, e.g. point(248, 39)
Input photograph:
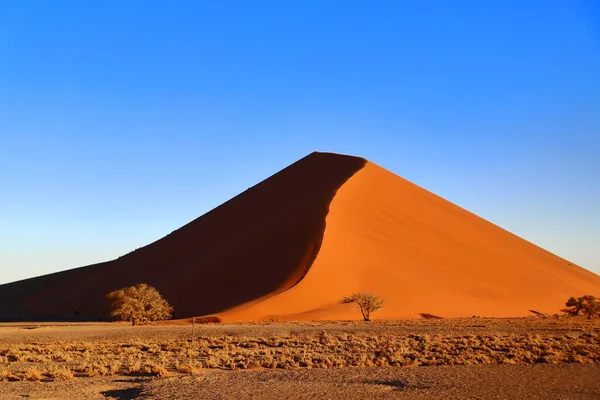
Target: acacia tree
point(367, 303)
point(138, 304)
point(588, 306)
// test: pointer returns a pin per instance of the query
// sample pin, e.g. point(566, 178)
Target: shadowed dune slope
point(420, 253)
point(258, 244)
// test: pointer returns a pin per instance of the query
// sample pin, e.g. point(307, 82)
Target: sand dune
point(261, 242)
point(292, 246)
point(421, 253)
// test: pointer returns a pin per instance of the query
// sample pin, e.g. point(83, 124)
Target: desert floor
point(475, 358)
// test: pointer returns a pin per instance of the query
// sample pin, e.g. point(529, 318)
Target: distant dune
point(292, 246)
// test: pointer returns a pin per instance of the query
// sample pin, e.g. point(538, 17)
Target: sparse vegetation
point(587, 306)
point(138, 304)
point(5, 374)
point(161, 351)
point(366, 302)
point(189, 367)
point(60, 373)
point(316, 350)
point(33, 374)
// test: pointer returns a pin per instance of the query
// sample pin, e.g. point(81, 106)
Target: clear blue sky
point(122, 121)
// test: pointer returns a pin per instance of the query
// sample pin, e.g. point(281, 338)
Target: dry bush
point(139, 304)
point(189, 367)
point(134, 367)
point(6, 374)
point(33, 374)
point(62, 355)
point(94, 368)
point(155, 369)
point(15, 354)
point(367, 303)
point(587, 306)
point(114, 367)
point(102, 368)
point(61, 373)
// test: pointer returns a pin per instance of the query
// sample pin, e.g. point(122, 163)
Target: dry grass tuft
point(155, 369)
point(6, 375)
point(188, 367)
point(60, 373)
point(33, 374)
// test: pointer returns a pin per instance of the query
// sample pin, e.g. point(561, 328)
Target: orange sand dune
point(327, 226)
point(261, 242)
point(420, 253)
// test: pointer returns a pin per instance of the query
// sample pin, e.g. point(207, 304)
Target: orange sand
point(420, 253)
point(327, 226)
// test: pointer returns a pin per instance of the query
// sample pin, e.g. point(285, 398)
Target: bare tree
point(367, 303)
point(138, 304)
point(588, 306)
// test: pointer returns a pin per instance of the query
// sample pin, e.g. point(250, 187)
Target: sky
point(122, 121)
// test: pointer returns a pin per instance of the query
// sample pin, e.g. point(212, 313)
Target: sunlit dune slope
point(256, 245)
point(420, 253)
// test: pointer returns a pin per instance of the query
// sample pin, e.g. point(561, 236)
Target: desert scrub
point(155, 369)
point(33, 374)
point(7, 375)
point(188, 367)
point(102, 368)
point(59, 373)
point(317, 350)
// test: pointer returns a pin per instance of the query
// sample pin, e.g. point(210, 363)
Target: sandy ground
point(50, 332)
point(537, 381)
point(486, 382)
point(89, 388)
point(454, 382)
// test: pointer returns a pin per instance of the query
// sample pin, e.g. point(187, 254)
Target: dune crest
point(292, 246)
